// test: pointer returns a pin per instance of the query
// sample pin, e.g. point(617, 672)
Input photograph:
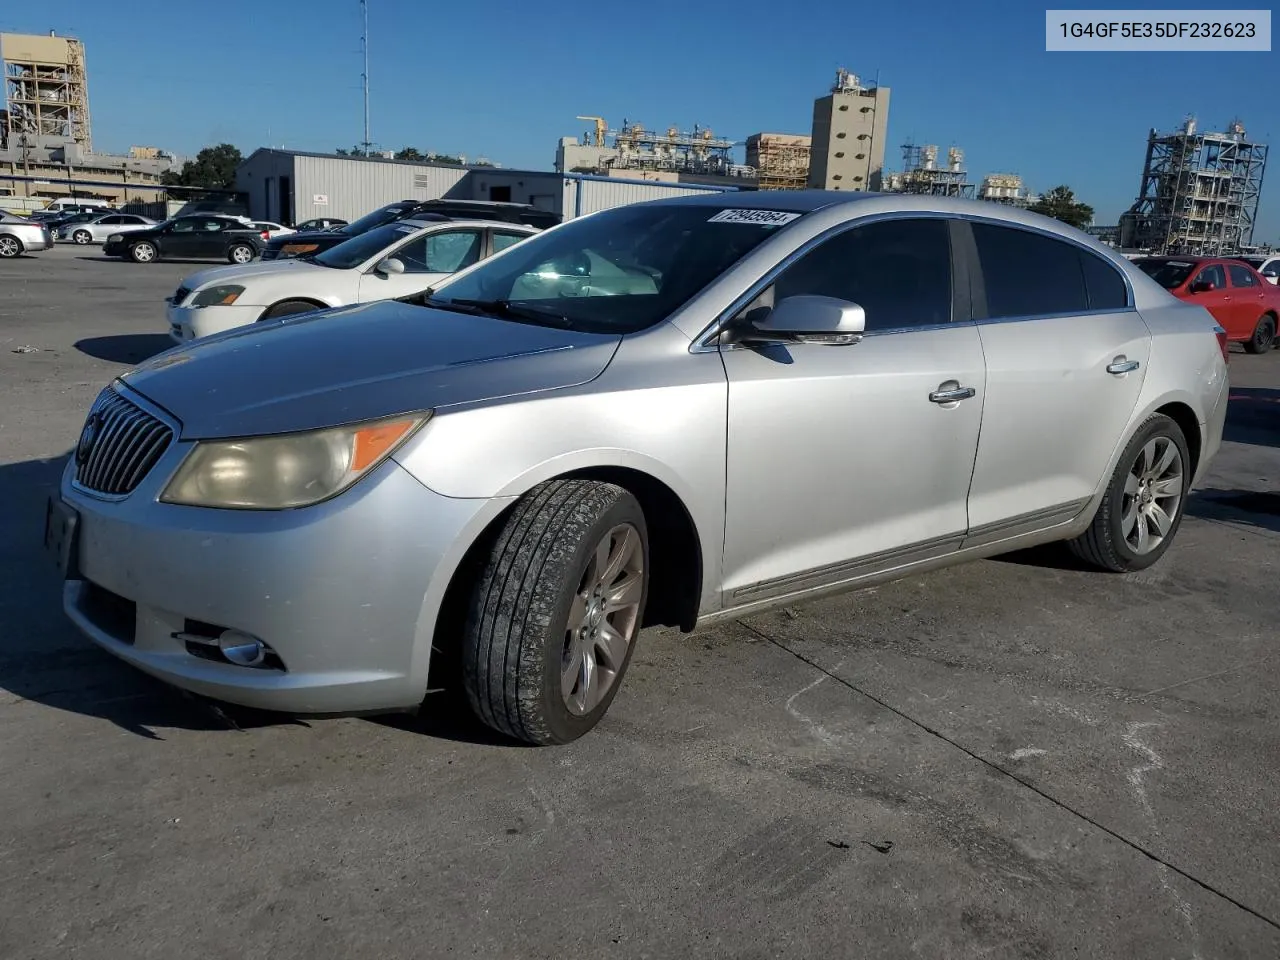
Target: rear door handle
point(950, 394)
point(1122, 365)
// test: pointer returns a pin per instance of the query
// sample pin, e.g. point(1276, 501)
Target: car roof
point(466, 222)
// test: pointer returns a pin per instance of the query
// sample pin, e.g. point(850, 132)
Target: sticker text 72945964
point(764, 218)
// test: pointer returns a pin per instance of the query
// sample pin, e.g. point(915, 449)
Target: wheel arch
point(675, 548)
point(315, 302)
point(22, 247)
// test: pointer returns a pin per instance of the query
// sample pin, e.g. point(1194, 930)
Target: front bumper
point(345, 592)
point(191, 323)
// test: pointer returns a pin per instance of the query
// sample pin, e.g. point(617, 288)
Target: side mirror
point(808, 319)
point(389, 266)
point(1202, 286)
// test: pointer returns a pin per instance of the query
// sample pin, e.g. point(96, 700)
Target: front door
point(844, 461)
point(179, 238)
point(1208, 289)
point(1066, 357)
point(427, 259)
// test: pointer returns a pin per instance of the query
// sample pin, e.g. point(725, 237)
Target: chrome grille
point(119, 445)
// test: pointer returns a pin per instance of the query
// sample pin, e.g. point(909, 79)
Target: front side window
point(445, 252)
point(1241, 276)
point(617, 271)
point(1028, 274)
point(108, 221)
point(898, 271)
point(1211, 278)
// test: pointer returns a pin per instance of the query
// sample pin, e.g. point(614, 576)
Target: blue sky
point(505, 79)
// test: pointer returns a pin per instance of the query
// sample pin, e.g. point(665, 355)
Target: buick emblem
point(88, 437)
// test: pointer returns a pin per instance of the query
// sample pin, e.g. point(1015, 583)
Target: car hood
point(359, 363)
point(248, 271)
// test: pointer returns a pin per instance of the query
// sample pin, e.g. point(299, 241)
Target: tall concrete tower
point(849, 128)
point(46, 91)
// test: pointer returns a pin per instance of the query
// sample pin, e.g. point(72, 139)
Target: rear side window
point(1102, 282)
point(1241, 277)
point(1027, 274)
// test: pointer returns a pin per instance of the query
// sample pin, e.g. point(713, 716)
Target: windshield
point(1168, 273)
point(353, 252)
point(618, 271)
point(376, 219)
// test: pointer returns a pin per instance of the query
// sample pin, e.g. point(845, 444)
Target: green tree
point(411, 153)
point(213, 167)
point(1061, 204)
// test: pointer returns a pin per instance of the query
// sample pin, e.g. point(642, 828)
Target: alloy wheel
point(9, 247)
point(241, 254)
point(603, 619)
point(82, 237)
point(1153, 491)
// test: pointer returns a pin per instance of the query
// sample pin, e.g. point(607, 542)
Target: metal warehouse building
point(290, 186)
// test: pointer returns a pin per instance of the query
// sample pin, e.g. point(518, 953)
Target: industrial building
point(849, 127)
point(780, 160)
point(290, 186)
point(46, 138)
point(1006, 188)
point(1199, 193)
point(922, 173)
point(638, 153)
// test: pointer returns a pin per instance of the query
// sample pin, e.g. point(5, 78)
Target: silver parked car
point(97, 231)
point(670, 412)
point(19, 235)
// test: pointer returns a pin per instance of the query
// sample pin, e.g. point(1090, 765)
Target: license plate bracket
point(62, 537)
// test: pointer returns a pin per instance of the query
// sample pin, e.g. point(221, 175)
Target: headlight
point(217, 296)
point(289, 470)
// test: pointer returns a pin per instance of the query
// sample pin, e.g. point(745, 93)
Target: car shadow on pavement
point(1250, 508)
point(125, 347)
point(201, 263)
point(45, 660)
point(1253, 415)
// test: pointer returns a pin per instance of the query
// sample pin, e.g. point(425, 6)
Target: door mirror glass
point(389, 266)
point(807, 318)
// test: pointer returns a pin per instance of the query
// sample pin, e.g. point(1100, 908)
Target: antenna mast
point(364, 77)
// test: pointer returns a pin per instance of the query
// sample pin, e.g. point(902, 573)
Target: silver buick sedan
point(666, 413)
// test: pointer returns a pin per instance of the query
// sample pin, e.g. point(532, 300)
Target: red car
point(1245, 304)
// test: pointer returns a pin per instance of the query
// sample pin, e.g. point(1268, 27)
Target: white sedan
point(391, 261)
point(97, 231)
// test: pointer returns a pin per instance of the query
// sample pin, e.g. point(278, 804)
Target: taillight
point(1223, 345)
point(266, 234)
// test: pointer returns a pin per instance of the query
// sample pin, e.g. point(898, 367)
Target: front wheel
point(554, 616)
point(142, 252)
point(82, 237)
point(1264, 335)
point(288, 308)
point(1143, 506)
point(241, 253)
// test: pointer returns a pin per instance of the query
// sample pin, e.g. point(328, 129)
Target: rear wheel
point(288, 308)
point(554, 616)
point(10, 246)
point(241, 253)
point(1264, 335)
point(1142, 508)
point(82, 237)
point(142, 252)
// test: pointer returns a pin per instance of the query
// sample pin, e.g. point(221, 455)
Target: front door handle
point(951, 392)
point(1121, 365)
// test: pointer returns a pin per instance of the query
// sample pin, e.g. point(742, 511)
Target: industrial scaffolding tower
point(46, 91)
point(1199, 193)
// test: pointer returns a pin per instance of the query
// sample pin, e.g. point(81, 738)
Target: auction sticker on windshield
point(765, 218)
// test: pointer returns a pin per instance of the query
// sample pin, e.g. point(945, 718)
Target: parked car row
point(670, 412)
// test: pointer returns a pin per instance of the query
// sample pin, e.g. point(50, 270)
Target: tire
point(143, 252)
point(240, 253)
point(9, 246)
point(1264, 335)
point(288, 308)
point(1113, 541)
point(82, 237)
point(542, 571)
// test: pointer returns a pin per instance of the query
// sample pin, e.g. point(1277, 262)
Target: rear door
point(1248, 298)
point(1066, 355)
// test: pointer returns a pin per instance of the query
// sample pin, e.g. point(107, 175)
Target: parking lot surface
point(1014, 758)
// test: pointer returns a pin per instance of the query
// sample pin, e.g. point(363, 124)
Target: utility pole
point(364, 77)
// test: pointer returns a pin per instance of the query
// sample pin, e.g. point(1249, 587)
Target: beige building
point(849, 128)
point(780, 160)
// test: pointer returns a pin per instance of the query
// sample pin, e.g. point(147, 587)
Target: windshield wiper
point(502, 308)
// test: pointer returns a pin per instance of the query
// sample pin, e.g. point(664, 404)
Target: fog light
point(241, 648)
